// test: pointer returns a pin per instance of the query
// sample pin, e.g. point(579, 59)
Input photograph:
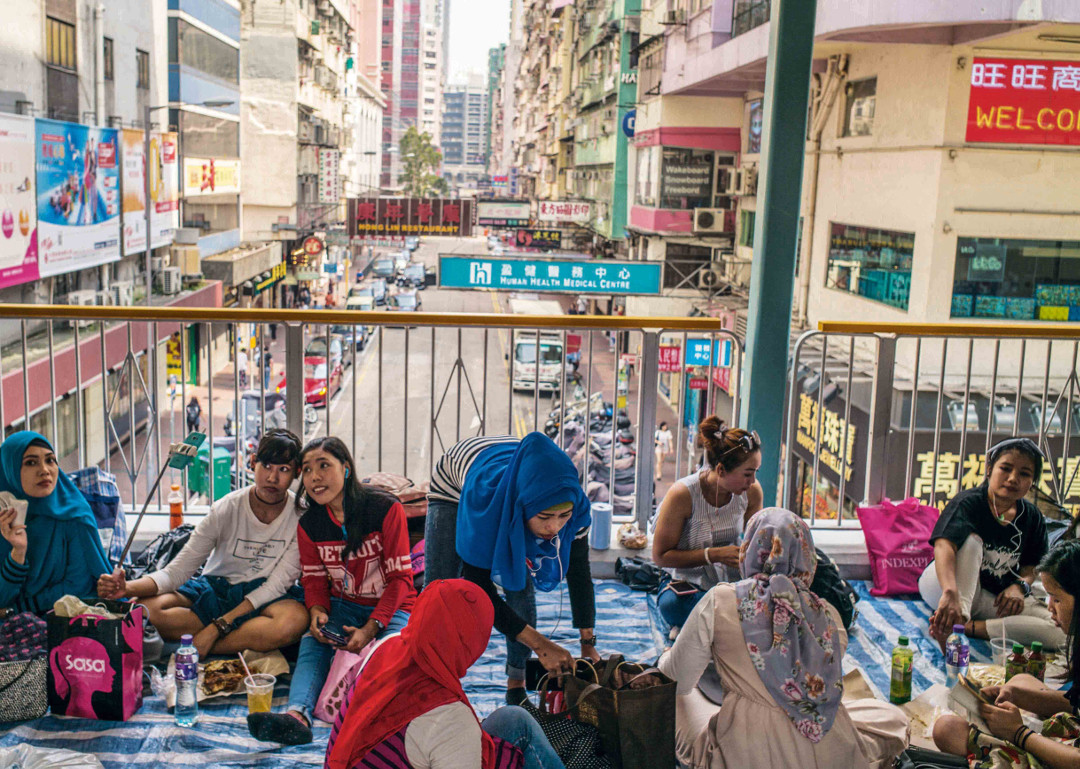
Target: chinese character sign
point(538, 240)
point(373, 217)
point(1024, 101)
point(211, 176)
point(577, 212)
point(329, 175)
point(503, 213)
point(669, 358)
point(829, 435)
point(555, 275)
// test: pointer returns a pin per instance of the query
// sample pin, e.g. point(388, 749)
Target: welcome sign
point(1024, 101)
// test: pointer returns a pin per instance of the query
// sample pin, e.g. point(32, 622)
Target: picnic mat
point(152, 739)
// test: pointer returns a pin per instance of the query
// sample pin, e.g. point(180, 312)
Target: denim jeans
point(675, 608)
point(313, 661)
point(441, 561)
point(516, 726)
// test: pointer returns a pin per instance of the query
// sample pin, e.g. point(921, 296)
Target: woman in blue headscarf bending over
point(58, 550)
point(512, 513)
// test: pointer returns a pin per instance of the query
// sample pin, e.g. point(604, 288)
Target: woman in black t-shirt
point(986, 545)
point(1060, 748)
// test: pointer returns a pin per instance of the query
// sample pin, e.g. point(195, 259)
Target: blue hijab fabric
point(506, 485)
point(66, 503)
point(790, 637)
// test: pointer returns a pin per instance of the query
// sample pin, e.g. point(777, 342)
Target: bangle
point(1018, 735)
point(224, 627)
point(590, 641)
point(1025, 738)
point(707, 559)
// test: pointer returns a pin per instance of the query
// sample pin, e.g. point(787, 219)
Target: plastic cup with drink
point(260, 692)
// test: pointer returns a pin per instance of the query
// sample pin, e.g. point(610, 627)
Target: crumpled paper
point(72, 606)
point(27, 757)
point(272, 663)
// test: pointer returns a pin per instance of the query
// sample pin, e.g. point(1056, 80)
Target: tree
point(421, 162)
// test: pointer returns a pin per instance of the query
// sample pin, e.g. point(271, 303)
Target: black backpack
point(638, 574)
point(830, 586)
point(160, 552)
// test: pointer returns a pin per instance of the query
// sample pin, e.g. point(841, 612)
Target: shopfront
point(871, 262)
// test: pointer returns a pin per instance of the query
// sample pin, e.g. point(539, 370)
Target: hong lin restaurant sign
point(372, 217)
point(1024, 101)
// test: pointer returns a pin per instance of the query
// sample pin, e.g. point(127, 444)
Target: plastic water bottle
point(900, 675)
point(957, 650)
point(187, 679)
point(176, 507)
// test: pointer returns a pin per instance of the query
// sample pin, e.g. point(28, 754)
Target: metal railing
point(399, 387)
point(896, 410)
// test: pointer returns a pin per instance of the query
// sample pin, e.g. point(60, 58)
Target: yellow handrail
point(988, 330)
point(357, 317)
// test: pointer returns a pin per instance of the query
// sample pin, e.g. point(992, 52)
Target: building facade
point(463, 134)
point(401, 42)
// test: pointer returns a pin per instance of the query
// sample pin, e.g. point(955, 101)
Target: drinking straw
point(246, 668)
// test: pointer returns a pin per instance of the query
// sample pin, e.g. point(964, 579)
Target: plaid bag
point(101, 492)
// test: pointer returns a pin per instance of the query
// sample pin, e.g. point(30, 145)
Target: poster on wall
point(164, 190)
point(753, 135)
point(18, 216)
point(211, 176)
point(329, 175)
point(78, 196)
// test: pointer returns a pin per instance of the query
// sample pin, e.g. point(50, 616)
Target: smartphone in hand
point(335, 633)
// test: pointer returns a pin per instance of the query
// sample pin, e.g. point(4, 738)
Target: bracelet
point(1025, 738)
point(1018, 735)
point(590, 641)
point(223, 626)
point(707, 559)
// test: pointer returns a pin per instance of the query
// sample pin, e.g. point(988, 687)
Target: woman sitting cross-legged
point(986, 544)
point(777, 649)
point(407, 709)
point(1011, 743)
point(356, 572)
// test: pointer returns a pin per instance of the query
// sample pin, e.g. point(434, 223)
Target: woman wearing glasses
point(512, 513)
point(696, 539)
point(987, 543)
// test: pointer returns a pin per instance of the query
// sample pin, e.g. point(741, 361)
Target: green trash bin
point(198, 481)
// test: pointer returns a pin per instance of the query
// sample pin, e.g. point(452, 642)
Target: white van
point(523, 358)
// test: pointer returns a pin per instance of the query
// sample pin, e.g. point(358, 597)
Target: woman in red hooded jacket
point(407, 709)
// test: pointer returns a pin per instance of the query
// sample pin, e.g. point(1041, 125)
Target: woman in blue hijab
point(58, 550)
point(512, 513)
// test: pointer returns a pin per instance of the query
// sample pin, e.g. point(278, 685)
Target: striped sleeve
point(448, 478)
point(12, 577)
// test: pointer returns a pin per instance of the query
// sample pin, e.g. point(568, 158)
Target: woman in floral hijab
point(790, 637)
point(776, 648)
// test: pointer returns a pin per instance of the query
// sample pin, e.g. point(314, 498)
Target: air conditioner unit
point(123, 293)
point(105, 298)
point(305, 132)
point(83, 299)
point(748, 182)
point(674, 16)
point(710, 275)
point(709, 220)
point(171, 280)
point(158, 263)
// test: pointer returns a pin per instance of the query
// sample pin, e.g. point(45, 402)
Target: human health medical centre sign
point(562, 276)
point(1024, 101)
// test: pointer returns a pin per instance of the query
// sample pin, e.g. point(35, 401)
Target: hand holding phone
point(334, 633)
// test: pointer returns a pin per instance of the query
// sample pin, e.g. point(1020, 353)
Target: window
point(1017, 279)
point(746, 228)
point(206, 53)
point(143, 62)
point(209, 137)
point(108, 57)
point(871, 262)
point(60, 44)
point(861, 96)
point(648, 174)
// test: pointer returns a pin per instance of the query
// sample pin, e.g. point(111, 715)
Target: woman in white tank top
point(696, 539)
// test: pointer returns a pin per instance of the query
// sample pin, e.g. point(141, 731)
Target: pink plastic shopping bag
point(898, 542)
point(343, 673)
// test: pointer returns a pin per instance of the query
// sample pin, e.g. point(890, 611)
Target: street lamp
point(212, 103)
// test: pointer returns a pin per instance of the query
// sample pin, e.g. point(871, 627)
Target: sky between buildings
point(475, 27)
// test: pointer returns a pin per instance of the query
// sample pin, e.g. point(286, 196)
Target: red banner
point(1024, 101)
point(669, 358)
point(376, 217)
point(699, 383)
point(573, 343)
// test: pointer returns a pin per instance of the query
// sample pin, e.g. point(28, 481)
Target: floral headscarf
point(790, 637)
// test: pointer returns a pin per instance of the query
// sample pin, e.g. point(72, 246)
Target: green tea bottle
point(900, 679)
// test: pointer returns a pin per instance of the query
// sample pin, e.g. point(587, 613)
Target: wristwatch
point(1025, 586)
point(224, 626)
point(379, 625)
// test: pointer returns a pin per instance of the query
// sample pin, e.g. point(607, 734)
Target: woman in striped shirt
point(512, 513)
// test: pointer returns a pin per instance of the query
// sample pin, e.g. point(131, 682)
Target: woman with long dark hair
point(1012, 744)
point(356, 572)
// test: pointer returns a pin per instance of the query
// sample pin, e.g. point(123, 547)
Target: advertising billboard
point(18, 214)
point(410, 216)
point(329, 175)
point(164, 190)
point(503, 213)
point(538, 240)
point(78, 196)
point(1024, 101)
point(211, 176)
